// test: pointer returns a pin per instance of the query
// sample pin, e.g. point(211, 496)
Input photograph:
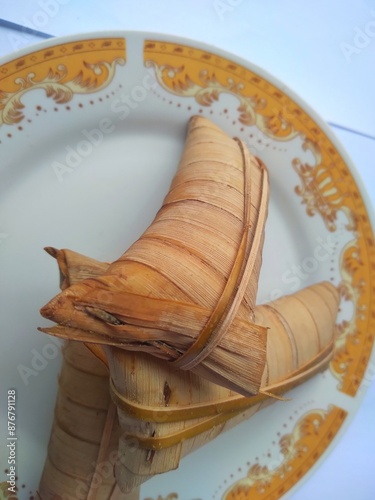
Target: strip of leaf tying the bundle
point(215, 413)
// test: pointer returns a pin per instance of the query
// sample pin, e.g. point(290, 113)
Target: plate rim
point(58, 40)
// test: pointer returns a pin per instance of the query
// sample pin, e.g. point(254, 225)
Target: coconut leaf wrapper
point(185, 290)
point(83, 446)
point(166, 413)
point(174, 317)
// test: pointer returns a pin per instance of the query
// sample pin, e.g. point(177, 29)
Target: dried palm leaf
point(167, 413)
point(185, 291)
point(82, 450)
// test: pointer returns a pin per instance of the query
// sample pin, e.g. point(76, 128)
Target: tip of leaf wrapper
point(51, 251)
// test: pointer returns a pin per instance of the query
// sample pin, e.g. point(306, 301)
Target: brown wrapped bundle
point(83, 446)
point(185, 291)
point(167, 413)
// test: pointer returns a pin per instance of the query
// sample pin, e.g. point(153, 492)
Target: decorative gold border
point(62, 71)
point(301, 448)
point(326, 188)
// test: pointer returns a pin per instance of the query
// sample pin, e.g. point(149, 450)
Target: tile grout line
point(353, 131)
point(24, 29)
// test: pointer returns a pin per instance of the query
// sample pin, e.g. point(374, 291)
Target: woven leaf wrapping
point(174, 318)
point(186, 290)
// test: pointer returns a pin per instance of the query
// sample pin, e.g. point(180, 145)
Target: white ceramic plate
point(91, 129)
